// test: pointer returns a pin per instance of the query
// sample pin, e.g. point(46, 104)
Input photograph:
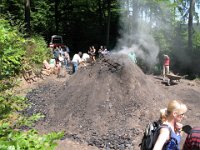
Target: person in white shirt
point(76, 60)
point(85, 57)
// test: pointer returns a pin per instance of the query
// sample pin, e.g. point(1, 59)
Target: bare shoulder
point(165, 131)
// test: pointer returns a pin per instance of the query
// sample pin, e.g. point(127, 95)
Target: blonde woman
point(169, 137)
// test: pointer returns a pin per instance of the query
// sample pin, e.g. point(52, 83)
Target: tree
point(108, 22)
point(27, 16)
point(56, 15)
point(190, 23)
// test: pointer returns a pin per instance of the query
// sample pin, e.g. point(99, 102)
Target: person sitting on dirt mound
point(52, 63)
point(85, 58)
point(76, 60)
point(51, 68)
point(92, 53)
point(100, 49)
point(169, 136)
point(47, 68)
point(166, 66)
point(192, 141)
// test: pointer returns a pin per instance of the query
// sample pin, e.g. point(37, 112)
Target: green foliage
point(10, 104)
point(162, 41)
point(15, 54)
point(11, 50)
point(10, 8)
point(28, 140)
point(36, 50)
point(41, 16)
point(196, 40)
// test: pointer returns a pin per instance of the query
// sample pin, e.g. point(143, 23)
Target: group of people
point(90, 56)
point(61, 58)
point(170, 133)
point(103, 51)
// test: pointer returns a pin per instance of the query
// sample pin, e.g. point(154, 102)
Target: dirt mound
point(104, 104)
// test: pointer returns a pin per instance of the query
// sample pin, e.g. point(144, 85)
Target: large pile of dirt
point(106, 104)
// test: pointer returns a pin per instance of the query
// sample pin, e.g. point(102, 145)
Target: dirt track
point(107, 104)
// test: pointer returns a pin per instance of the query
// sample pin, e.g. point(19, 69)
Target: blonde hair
point(174, 105)
point(177, 106)
point(163, 114)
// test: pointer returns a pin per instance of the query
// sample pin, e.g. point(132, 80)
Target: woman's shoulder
point(165, 128)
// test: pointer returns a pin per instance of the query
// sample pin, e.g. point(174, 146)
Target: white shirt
point(76, 58)
point(85, 57)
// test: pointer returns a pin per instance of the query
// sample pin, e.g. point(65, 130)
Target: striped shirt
point(192, 141)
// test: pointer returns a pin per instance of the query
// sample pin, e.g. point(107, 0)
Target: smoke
point(136, 31)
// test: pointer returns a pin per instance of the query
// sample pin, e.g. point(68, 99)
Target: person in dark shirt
point(192, 141)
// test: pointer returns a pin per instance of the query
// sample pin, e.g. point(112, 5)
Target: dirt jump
point(107, 105)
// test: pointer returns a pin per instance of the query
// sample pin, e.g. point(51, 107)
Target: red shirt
point(192, 141)
point(166, 61)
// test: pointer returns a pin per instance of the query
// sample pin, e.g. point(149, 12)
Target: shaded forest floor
point(106, 105)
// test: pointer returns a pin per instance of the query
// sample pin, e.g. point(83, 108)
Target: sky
point(196, 9)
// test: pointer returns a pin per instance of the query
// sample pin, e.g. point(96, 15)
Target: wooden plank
point(173, 77)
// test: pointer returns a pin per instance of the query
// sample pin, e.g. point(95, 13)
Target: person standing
point(76, 60)
point(169, 136)
point(192, 141)
point(166, 66)
point(56, 54)
point(67, 49)
point(132, 56)
point(66, 59)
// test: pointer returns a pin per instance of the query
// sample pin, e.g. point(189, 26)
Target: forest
point(150, 27)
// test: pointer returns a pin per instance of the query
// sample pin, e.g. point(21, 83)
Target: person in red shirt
point(192, 141)
point(166, 65)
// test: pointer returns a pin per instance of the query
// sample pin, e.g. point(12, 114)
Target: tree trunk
point(100, 12)
point(108, 24)
point(1, 6)
point(56, 15)
point(27, 16)
point(190, 23)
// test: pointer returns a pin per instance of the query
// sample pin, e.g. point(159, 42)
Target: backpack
point(150, 135)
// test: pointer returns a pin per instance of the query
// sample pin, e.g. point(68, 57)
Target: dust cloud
point(136, 31)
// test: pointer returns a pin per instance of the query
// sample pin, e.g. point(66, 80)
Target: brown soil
point(107, 105)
